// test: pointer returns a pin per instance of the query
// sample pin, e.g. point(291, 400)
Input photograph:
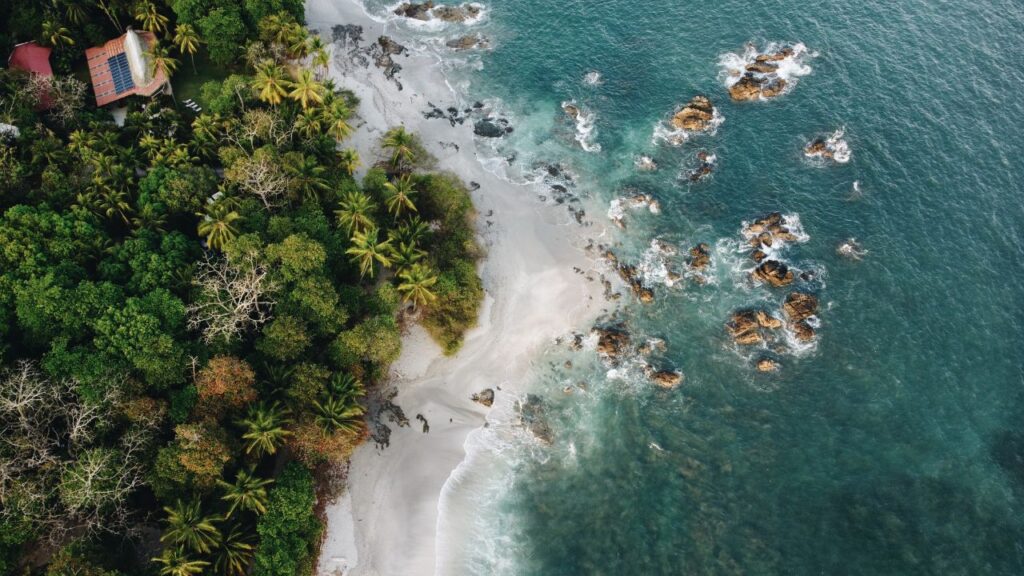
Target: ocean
point(890, 443)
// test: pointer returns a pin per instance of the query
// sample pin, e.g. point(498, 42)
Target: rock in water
point(457, 13)
point(818, 147)
point(774, 273)
point(744, 329)
point(485, 397)
point(751, 87)
point(468, 42)
point(532, 415)
point(488, 129)
point(389, 46)
point(700, 256)
point(800, 306)
point(667, 379)
point(696, 116)
point(767, 365)
point(571, 110)
point(766, 320)
point(612, 341)
point(802, 330)
point(415, 11)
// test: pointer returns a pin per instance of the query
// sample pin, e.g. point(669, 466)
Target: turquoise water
point(895, 443)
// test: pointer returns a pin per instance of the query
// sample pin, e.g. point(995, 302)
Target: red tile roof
point(31, 57)
point(103, 79)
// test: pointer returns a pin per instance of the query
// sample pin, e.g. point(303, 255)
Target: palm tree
point(270, 83)
point(297, 41)
point(309, 123)
point(355, 212)
point(405, 255)
point(177, 563)
point(335, 414)
point(344, 385)
point(160, 60)
point(306, 90)
point(218, 224)
point(410, 231)
point(150, 18)
point(416, 283)
point(56, 35)
point(402, 145)
point(235, 554)
point(307, 175)
point(349, 160)
point(337, 119)
point(248, 492)
point(367, 251)
point(74, 10)
point(187, 527)
point(187, 40)
point(321, 58)
point(400, 194)
point(264, 429)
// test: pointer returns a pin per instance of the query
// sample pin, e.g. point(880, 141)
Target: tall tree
point(306, 90)
point(56, 35)
point(400, 194)
point(151, 19)
point(349, 160)
point(367, 251)
point(416, 283)
point(160, 60)
point(175, 562)
point(270, 83)
point(307, 175)
point(217, 224)
point(248, 492)
point(264, 429)
point(355, 212)
point(402, 145)
point(188, 528)
point(235, 553)
point(187, 40)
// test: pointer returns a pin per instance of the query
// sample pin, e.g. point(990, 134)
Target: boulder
point(389, 46)
point(695, 116)
point(746, 88)
point(758, 255)
point(416, 11)
point(802, 330)
point(488, 129)
point(612, 341)
point(774, 273)
point(762, 67)
point(744, 328)
point(766, 320)
point(818, 147)
point(773, 87)
point(485, 397)
point(800, 306)
point(628, 273)
point(776, 56)
point(667, 379)
point(571, 110)
point(767, 365)
point(700, 256)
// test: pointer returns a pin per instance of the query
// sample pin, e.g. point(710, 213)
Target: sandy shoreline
point(386, 521)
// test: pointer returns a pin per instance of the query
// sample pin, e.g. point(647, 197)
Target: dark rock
point(416, 11)
point(700, 257)
point(800, 306)
point(389, 46)
point(488, 129)
point(485, 397)
point(468, 42)
point(774, 273)
point(612, 341)
point(802, 330)
point(532, 415)
point(457, 13)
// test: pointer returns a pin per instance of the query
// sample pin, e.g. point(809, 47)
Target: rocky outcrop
point(571, 110)
point(744, 329)
point(696, 116)
point(766, 320)
point(484, 397)
point(612, 342)
point(802, 330)
point(468, 42)
point(774, 273)
point(630, 276)
point(800, 306)
point(667, 379)
point(767, 232)
point(457, 13)
point(752, 87)
point(415, 11)
point(819, 148)
point(700, 257)
point(767, 365)
point(489, 128)
point(782, 54)
point(532, 415)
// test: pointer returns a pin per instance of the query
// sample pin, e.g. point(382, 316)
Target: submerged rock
point(774, 273)
point(468, 42)
point(484, 397)
point(802, 330)
point(800, 306)
point(651, 346)
point(767, 365)
point(571, 110)
point(705, 166)
point(532, 415)
point(696, 116)
point(646, 164)
point(851, 249)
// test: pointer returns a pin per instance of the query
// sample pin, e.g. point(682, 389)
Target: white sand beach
point(386, 521)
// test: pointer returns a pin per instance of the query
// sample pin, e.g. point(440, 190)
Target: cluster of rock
point(819, 148)
point(696, 116)
point(614, 342)
point(705, 165)
point(764, 233)
point(426, 11)
point(382, 54)
point(759, 78)
point(631, 276)
point(634, 202)
point(798, 307)
point(749, 327)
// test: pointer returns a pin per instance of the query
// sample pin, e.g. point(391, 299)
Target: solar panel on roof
point(120, 73)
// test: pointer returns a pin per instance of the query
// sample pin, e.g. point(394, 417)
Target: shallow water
point(894, 444)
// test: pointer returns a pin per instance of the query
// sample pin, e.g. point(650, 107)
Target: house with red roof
point(122, 68)
point(34, 59)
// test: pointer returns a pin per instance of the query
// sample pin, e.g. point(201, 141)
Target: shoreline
point(386, 521)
